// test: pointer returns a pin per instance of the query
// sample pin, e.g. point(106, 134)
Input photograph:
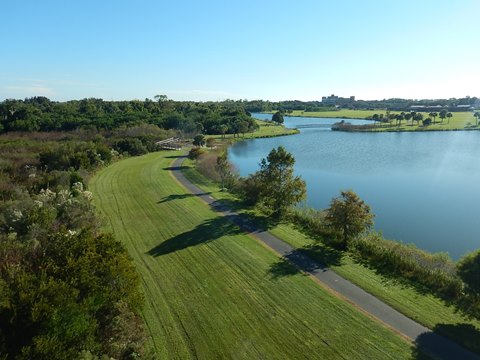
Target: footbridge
point(169, 144)
point(313, 126)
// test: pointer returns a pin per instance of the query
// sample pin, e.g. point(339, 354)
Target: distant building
point(428, 107)
point(465, 107)
point(336, 100)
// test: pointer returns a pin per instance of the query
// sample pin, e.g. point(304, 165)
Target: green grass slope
point(211, 291)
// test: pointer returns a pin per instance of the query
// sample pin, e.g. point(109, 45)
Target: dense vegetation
point(66, 288)
point(274, 185)
point(41, 114)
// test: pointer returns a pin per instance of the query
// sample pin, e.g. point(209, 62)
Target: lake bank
point(421, 186)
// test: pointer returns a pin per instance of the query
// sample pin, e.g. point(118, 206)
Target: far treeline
point(388, 104)
point(41, 114)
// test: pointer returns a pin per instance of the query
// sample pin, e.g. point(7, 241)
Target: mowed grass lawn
point(459, 121)
point(209, 288)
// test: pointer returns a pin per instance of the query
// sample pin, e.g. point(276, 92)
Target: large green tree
point(280, 189)
point(348, 216)
point(199, 140)
point(278, 118)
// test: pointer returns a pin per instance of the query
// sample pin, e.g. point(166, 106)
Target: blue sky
point(251, 49)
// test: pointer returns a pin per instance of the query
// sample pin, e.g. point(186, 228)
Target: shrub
point(132, 146)
point(195, 153)
point(437, 272)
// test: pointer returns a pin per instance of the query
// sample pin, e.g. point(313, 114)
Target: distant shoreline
point(461, 121)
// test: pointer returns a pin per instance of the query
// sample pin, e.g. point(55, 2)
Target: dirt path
point(435, 345)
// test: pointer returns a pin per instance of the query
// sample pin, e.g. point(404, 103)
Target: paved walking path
point(435, 345)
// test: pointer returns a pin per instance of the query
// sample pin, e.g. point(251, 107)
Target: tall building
point(336, 100)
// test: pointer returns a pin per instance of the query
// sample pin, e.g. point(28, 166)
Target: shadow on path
point(205, 232)
point(176, 157)
point(180, 197)
point(428, 341)
point(302, 260)
point(176, 168)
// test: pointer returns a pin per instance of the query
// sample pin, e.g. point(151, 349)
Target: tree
point(241, 127)
point(427, 122)
point(469, 271)
point(161, 98)
point(223, 130)
point(443, 114)
point(418, 117)
point(199, 140)
point(433, 115)
point(449, 116)
point(348, 216)
point(280, 189)
point(223, 168)
point(278, 118)
point(408, 116)
point(399, 118)
point(477, 117)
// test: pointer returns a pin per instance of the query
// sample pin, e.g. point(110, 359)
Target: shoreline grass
point(211, 290)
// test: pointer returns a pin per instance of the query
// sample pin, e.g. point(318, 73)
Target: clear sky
point(249, 49)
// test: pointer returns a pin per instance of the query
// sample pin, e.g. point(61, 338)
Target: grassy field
point(212, 291)
point(267, 129)
point(416, 304)
point(459, 121)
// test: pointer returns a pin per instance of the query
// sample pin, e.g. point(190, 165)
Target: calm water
point(423, 187)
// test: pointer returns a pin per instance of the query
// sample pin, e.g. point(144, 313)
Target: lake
point(422, 187)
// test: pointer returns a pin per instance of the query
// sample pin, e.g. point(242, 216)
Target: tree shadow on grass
point(308, 258)
point(282, 268)
point(176, 157)
point(205, 232)
point(176, 168)
point(180, 197)
point(435, 345)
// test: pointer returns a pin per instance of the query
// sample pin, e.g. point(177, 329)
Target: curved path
point(433, 344)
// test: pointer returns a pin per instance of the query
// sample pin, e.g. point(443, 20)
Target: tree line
point(391, 104)
point(41, 114)
point(412, 116)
